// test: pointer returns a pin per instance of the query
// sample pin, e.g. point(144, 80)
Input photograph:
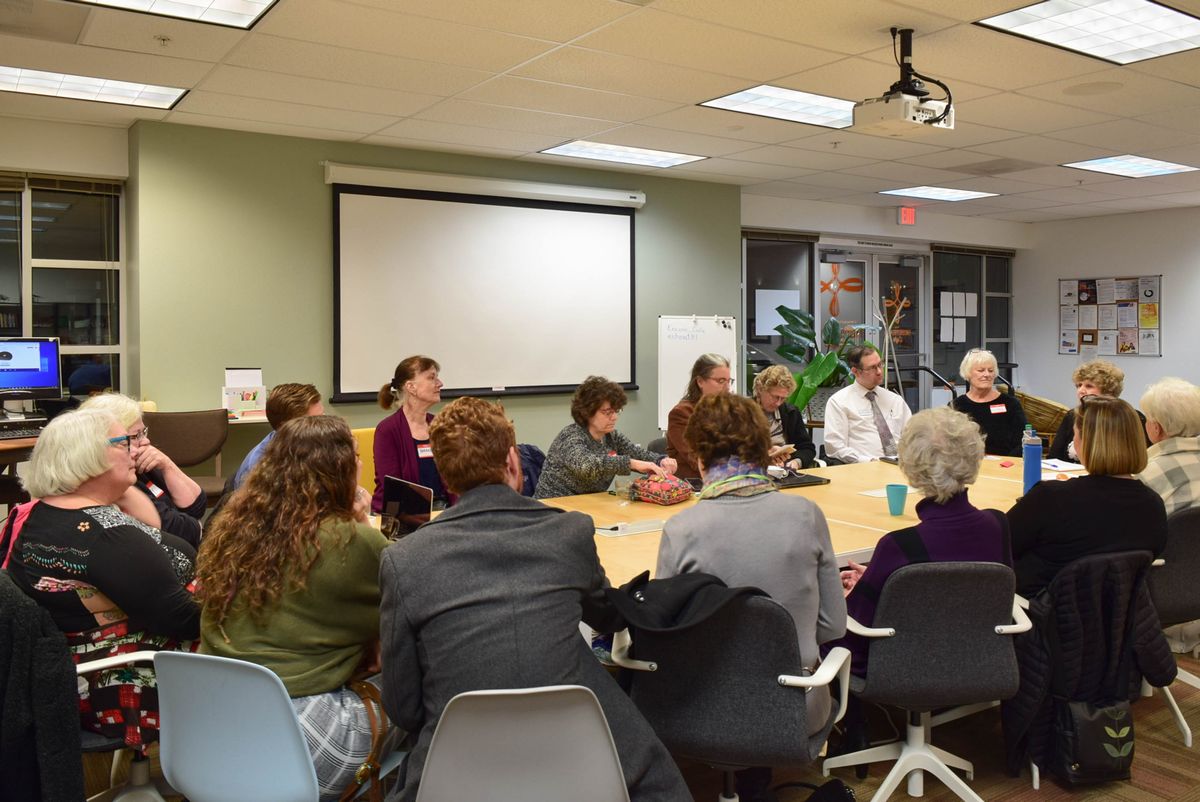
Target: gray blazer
point(489, 595)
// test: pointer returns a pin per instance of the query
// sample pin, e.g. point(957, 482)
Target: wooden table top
point(856, 522)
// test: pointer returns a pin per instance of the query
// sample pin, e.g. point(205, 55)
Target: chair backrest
point(716, 697)
point(1045, 415)
point(1173, 584)
point(229, 732)
point(658, 445)
point(532, 744)
point(188, 438)
point(533, 459)
point(366, 453)
point(946, 651)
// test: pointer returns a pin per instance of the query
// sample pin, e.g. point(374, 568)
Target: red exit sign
point(906, 215)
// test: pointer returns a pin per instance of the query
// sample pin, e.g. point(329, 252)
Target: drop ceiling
point(508, 78)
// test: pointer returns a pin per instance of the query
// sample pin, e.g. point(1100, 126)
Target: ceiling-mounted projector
point(904, 110)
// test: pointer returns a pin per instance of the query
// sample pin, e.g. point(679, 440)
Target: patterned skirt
point(120, 702)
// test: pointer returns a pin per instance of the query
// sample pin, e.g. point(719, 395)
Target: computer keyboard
point(17, 434)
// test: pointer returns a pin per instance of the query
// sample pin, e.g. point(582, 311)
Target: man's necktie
point(885, 434)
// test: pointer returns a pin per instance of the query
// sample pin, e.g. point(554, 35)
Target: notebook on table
point(794, 479)
point(406, 506)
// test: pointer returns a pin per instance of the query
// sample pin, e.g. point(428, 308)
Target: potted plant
point(826, 370)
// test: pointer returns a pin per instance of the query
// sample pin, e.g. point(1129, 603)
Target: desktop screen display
point(30, 368)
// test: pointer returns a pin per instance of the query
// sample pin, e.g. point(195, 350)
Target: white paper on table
point(1068, 317)
point(972, 301)
point(960, 329)
point(243, 377)
point(947, 330)
point(1061, 465)
point(960, 304)
point(765, 303)
point(1088, 315)
point(1108, 343)
point(947, 303)
point(1067, 291)
point(882, 492)
point(1106, 290)
point(1148, 289)
point(1127, 316)
point(1106, 316)
point(1148, 342)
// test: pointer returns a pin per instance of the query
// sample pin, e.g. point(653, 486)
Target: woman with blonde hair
point(402, 446)
point(1107, 510)
point(999, 415)
point(289, 579)
point(710, 376)
point(772, 388)
point(162, 496)
point(1095, 377)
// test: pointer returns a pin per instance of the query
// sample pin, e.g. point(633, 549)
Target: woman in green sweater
point(290, 578)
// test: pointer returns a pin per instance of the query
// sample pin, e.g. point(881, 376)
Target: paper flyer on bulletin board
point(1110, 316)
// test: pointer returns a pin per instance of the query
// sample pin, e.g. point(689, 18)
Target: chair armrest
point(1020, 601)
point(835, 664)
point(114, 661)
point(819, 463)
point(1023, 624)
point(855, 628)
point(620, 653)
point(1158, 562)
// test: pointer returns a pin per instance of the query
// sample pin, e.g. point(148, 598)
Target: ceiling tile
point(1022, 202)
point(261, 127)
point(875, 199)
point(794, 157)
point(966, 134)
point(848, 143)
point(851, 184)
point(949, 159)
point(452, 135)
point(1060, 176)
point(1128, 136)
point(685, 42)
point(907, 175)
point(998, 186)
point(1135, 204)
point(1118, 91)
point(628, 75)
point(859, 78)
point(1183, 154)
point(731, 124)
point(542, 19)
point(1032, 215)
point(748, 170)
point(793, 189)
point(1182, 198)
point(291, 57)
point(1069, 195)
point(213, 104)
point(315, 92)
point(1185, 119)
point(1041, 150)
point(425, 144)
point(1181, 67)
point(38, 107)
point(1020, 113)
point(465, 112)
point(356, 27)
point(507, 90)
point(98, 62)
point(967, 12)
point(120, 30)
point(642, 136)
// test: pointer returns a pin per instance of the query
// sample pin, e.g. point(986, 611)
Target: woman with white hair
point(772, 387)
point(998, 414)
point(163, 496)
point(111, 583)
point(1172, 408)
point(940, 453)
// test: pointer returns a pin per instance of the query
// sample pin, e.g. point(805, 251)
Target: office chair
point(1172, 584)
point(190, 438)
point(366, 453)
point(658, 445)
point(926, 654)
point(527, 744)
point(728, 692)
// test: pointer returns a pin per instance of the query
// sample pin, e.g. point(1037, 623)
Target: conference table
point(856, 521)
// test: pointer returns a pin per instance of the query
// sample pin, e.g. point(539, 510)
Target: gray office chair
point(658, 445)
point(524, 744)
point(727, 692)
point(925, 654)
point(1173, 590)
point(190, 438)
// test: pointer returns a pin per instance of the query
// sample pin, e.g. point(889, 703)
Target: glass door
point(900, 293)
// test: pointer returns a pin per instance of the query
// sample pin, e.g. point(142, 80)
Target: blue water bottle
point(1031, 451)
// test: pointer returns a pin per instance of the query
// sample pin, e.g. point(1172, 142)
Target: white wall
point(54, 148)
point(1166, 242)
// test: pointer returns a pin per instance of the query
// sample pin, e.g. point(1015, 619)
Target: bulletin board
point(1107, 317)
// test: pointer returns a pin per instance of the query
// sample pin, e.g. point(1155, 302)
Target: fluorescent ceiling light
point(230, 13)
point(1131, 166)
point(81, 87)
point(788, 104)
point(1120, 31)
point(582, 149)
point(938, 193)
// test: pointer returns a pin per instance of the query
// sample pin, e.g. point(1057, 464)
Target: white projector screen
point(510, 296)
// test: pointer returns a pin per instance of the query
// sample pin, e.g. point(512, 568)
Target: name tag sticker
point(425, 451)
point(998, 409)
point(154, 489)
point(612, 453)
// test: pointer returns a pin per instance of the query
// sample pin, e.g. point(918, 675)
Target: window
point(985, 277)
point(60, 273)
point(778, 272)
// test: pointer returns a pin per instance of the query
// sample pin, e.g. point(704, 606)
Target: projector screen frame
point(338, 189)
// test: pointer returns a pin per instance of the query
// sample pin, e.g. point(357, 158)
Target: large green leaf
point(795, 317)
point(831, 332)
point(793, 353)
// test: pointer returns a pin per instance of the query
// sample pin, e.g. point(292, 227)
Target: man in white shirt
point(863, 422)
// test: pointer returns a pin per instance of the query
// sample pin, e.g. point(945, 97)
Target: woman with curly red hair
point(289, 579)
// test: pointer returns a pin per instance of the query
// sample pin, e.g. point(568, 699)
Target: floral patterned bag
point(664, 490)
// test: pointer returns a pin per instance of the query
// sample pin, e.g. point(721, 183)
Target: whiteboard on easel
point(682, 339)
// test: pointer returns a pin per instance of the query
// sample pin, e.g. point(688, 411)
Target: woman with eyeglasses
point(163, 496)
point(791, 443)
point(710, 376)
point(587, 454)
point(111, 583)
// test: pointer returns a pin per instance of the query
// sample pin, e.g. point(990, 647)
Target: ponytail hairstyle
point(406, 371)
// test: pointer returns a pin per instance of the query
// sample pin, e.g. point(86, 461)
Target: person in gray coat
point(490, 594)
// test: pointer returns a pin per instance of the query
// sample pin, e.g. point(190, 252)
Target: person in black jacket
point(772, 387)
point(999, 415)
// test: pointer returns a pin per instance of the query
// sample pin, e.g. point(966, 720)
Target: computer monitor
point(30, 368)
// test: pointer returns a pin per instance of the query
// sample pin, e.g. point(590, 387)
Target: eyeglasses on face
point(125, 440)
point(724, 381)
point(143, 435)
point(608, 412)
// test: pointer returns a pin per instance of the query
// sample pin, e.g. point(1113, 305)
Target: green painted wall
point(231, 265)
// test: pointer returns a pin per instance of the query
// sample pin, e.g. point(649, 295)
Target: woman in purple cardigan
point(940, 453)
point(402, 440)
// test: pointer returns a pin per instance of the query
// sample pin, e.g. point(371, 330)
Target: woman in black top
point(998, 414)
point(1108, 510)
point(1096, 377)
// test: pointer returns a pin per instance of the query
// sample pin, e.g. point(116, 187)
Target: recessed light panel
point(938, 193)
point(230, 13)
point(582, 149)
point(1131, 166)
point(81, 87)
point(1120, 31)
point(788, 104)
